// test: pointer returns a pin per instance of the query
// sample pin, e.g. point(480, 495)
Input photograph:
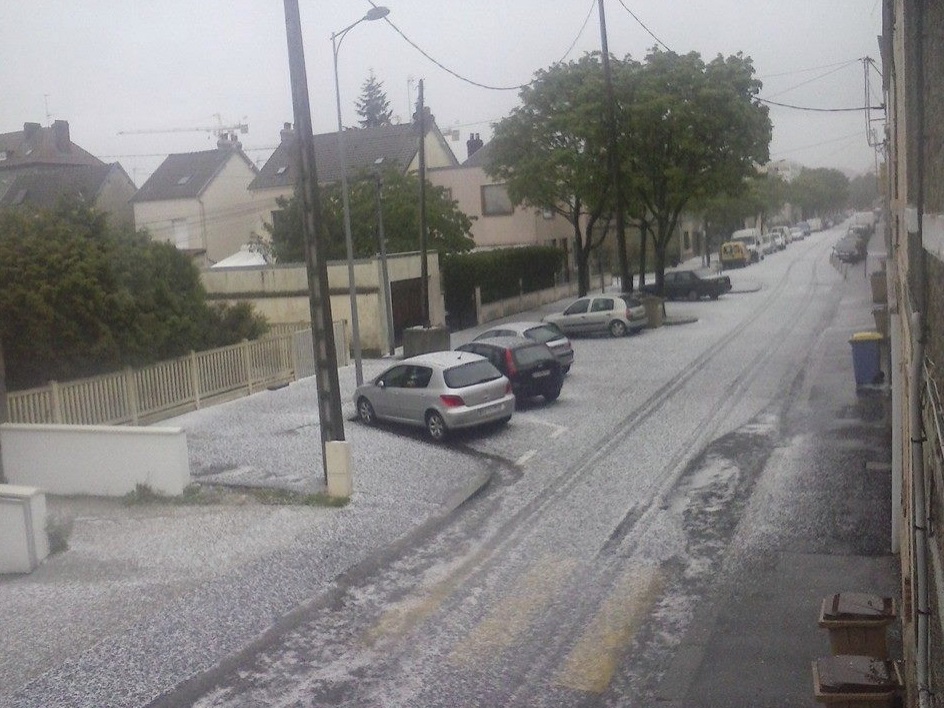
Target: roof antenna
point(46, 103)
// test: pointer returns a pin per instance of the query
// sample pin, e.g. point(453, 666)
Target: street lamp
point(375, 13)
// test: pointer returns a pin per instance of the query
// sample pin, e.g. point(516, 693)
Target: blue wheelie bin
point(867, 358)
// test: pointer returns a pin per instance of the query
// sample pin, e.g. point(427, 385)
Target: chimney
point(60, 131)
point(30, 130)
point(287, 133)
point(228, 141)
point(474, 144)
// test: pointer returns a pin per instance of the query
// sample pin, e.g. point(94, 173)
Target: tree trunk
point(643, 243)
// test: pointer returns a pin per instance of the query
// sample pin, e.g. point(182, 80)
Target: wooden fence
point(169, 388)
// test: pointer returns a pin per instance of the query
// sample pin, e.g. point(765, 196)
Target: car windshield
point(471, 373)
point(544, 334)
point(531, 354)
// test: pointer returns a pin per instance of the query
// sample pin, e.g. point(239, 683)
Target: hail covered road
point(572, 576)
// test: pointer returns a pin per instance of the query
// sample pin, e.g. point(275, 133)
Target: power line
point(445, 68)
point(812, 68)
point(821, 110)
point(643, 25)
point(580, 33)
point(816, 78)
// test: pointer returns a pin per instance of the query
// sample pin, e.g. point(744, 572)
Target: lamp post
point(375, 13)
point(384, 270)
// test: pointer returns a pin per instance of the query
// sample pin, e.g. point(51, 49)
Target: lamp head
point(376, 13)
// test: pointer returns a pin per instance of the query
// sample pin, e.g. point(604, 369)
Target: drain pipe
point(919, 514)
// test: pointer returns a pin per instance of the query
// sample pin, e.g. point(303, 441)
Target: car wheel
point(618, 328)
point(715, 296)
point(436, 426)
point(552, 392)
point(692, 295)
point(365, 411)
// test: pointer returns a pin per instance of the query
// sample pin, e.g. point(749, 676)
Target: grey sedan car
point(599, 314)
point(441, 391)
point(543, 332)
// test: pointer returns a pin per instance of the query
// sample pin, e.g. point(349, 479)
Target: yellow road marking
point(592, 662)
point(400, 620)
point(512, 617)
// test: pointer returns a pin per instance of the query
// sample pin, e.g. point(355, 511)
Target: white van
point(751, 238)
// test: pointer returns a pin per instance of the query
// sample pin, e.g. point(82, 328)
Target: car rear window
point(545, 333)
point(631, 301)
point(531, 355)
point(471, 373)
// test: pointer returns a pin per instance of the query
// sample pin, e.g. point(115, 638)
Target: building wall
point(523, 227)
point(280, 292)
point(219, 221)
point(115, 198)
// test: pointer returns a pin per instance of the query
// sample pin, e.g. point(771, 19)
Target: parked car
point(531, 367)
point(689, 285)
point(543, 332)
point(805, 227)
point(752, 242)
point(796, 234)
point(781, 236)
point(734, 254)
point(599, 314)
point(441, 392)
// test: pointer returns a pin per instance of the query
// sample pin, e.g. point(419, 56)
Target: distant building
point(39, 166)
point(365, 149)
point(199, 202)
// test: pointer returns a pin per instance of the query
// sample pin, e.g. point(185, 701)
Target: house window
point(181, 233)
point(547, 214)
point(495, 200)
point(447, 193)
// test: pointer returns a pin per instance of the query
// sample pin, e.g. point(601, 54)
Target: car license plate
point(539, 374)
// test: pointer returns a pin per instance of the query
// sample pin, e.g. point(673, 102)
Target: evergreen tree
point(373, 106)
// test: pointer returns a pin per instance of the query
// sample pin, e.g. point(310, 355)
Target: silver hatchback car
point(543, 332)
point(599, 314)
point(441, 391)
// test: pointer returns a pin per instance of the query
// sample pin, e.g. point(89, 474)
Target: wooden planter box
point(857, 623)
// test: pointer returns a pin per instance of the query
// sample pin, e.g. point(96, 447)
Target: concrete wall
point(95, 459)
point(280, 292)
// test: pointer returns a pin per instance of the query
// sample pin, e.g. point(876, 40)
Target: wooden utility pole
point(424, 263)
point(613, 159)
point(322, 325)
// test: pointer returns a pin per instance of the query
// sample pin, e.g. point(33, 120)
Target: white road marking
point(521, 461)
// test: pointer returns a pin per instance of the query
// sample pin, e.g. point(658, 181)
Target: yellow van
point(734, 254)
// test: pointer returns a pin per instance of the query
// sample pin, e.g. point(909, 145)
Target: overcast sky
point(108, 66)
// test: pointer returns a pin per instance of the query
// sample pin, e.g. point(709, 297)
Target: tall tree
point(691, 130)
point(550, 152)
point(373, 106)
point(449, 229)
point(819, 191)
point(78, 298)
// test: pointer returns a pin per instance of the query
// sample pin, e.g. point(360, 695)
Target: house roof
point(36, 146)
point(396, 144)
point(479, 158)
point(186, 175)
point(46, 187)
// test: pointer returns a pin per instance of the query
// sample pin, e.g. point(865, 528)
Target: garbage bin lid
point(858, 606)
point(865, 337)
point(855, 674)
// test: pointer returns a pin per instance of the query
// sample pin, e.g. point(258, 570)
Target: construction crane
point(218, 130)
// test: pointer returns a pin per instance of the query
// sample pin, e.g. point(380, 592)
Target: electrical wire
point(821, 110)
point(812, 68)
point(815, 78)
point(580, 33)
point(445, 68)
point(643, 25)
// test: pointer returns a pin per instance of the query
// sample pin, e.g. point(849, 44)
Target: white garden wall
point(95, 459)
